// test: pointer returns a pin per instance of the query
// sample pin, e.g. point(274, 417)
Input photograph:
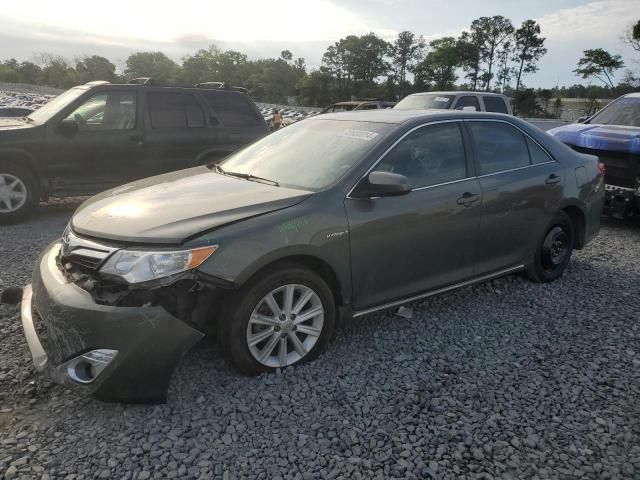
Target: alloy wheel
point(13, 193)
point(285, 325)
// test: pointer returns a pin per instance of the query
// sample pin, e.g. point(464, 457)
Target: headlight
point(137, 266)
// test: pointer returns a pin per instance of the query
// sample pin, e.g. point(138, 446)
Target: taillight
point(602, 167)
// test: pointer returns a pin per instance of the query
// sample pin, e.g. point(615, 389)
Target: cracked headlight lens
point(136, 266)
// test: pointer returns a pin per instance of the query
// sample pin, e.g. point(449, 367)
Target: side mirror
point(68, 126)
point(583, 119)
point(382, 184)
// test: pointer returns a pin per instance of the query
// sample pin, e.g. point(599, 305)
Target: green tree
point(529, 49)
point(471, 50)
point(56, 71)
point(632, 36)
point(406, 51)
point(156, 65)
point(286, 55)
point(95, 68)
point(497, 31)
point(600, 64)
point(439, 66)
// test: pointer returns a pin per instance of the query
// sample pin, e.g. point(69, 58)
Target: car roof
point(404, 116)
point(459, 92)
point(633, 95)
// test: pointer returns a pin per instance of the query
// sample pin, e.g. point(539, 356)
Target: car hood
point(173, 207)
point(600, 137)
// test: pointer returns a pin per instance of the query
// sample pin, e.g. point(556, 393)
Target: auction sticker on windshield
point(359, 134)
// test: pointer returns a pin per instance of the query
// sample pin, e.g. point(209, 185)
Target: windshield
point(56, 104)
point(623, 111)
point(425, 102)
point(308, 155)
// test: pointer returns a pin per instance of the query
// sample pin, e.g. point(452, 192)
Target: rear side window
point(233, 109)
point(495, 104)
point(195, 115)
point(166, 110)
point(538, 155)
point(468, 101)
point(431, 155)
point(498, 147)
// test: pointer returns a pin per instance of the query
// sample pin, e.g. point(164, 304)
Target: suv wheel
point(282, 318)
point(554, 251)
point(18, 193)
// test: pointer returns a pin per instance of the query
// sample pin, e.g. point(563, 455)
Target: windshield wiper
point(247, 176)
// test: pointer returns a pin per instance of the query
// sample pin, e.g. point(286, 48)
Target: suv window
point(166, 110)
point(106, 111)
point(428, 156)
point(495, 104)
point(195, 115)
point(232, 109)
point(468, 101)
point(498, 147)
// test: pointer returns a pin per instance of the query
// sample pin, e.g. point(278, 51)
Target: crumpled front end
point(123, 353)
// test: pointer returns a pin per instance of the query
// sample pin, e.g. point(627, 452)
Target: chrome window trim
point(384, 154)
point(515, 169)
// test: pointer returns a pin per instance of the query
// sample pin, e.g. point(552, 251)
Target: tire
point(553, 251)
point(19, 193)
point(240, 326)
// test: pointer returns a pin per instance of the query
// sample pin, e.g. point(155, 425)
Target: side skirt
point(431, 293)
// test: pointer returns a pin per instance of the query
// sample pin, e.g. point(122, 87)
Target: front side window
point(495, 104)
point(431, 155)
point(106, 111)
point(498, 147)
point(468, 101)
point(308, 155)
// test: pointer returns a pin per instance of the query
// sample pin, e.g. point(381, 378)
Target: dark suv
point(101, 135)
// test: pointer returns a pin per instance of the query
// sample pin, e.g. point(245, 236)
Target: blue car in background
point(613, 134)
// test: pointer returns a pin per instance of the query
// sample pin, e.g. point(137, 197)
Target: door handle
point(553, 179)
point(467, 199)
point(136, 139)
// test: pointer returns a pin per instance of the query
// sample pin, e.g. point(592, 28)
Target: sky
point(262, 28)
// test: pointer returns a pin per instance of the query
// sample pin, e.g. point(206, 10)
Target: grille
point(83, 253)
point(90, 263)
point(622, 168)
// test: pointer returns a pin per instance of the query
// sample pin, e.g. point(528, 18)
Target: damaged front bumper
point(114, 353)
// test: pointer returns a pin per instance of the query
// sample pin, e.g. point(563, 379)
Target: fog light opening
point(88, 366)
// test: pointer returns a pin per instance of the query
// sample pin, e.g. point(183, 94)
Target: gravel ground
point(507, 379)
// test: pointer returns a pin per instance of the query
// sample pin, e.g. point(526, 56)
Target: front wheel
point(554, 251)
point(18, 193)
point(280, 319)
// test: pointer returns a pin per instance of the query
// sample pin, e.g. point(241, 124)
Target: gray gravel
point(507, 379)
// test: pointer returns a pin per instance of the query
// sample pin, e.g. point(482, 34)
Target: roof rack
point(141, 81)
point(220, 86)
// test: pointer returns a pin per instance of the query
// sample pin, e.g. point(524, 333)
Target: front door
point(106, 149)
point(401, 246)
point(522, 191)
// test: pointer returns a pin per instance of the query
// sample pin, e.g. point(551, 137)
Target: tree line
point(491, 55)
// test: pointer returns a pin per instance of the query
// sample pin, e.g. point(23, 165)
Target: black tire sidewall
point(235, 318)
point(32, 192)
point(537, 271)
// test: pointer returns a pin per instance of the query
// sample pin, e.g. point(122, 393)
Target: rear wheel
point(18, 193)
point(554, 251)
point(280, 319)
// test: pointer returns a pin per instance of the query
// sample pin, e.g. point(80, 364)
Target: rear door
point(521, 189)
point(107, 149)
point(239, 121)
point(176, 130)
point(401, 246)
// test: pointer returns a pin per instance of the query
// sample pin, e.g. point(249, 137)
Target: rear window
point(495, 104)
point(233, 109)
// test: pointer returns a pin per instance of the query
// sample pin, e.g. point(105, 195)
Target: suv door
point(106, 149)
point(426, 239)
point(521, 189)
